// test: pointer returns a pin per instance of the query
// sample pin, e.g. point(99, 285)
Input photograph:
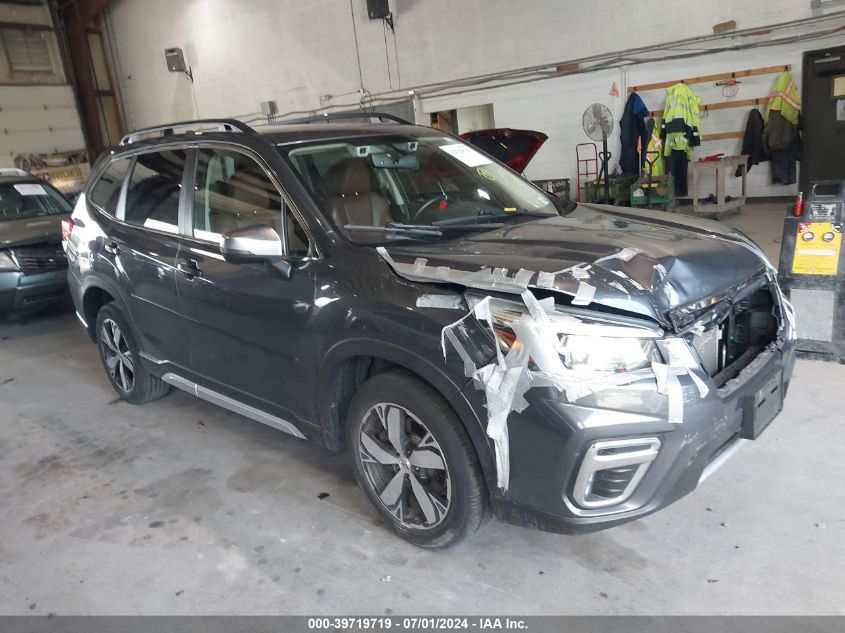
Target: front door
point(248, 324)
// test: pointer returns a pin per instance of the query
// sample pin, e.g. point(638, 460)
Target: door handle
point(111, 248)
point(189, 269)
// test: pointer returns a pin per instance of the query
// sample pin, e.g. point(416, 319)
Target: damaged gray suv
point(476, 345)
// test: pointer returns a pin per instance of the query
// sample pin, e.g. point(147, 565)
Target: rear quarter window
point(106, 191)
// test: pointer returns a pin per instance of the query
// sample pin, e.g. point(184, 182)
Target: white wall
point(555, 106)
point(38, 113)
point(246, 51)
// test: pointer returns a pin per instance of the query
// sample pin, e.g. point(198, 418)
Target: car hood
point(45, 228)
point(514, 148)
point(639, 261)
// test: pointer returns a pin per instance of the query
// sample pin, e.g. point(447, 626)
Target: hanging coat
point(681, 120)
point(633, 133)
point(784, 170)
point(785, 98)
point(752, 140)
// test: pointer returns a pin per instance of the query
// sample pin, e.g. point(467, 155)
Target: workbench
point(721, 167)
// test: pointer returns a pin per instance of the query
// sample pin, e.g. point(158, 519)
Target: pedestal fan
point(598, 125)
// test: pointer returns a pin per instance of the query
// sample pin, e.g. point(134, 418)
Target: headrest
point(350, 176)
point(251, 190)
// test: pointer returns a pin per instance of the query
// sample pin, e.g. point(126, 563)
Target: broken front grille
point(728, 346)
point(40, 258)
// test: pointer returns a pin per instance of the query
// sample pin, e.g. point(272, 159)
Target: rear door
point(144, 245)
point(249, 327)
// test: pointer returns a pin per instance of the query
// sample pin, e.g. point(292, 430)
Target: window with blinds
point(26, 51)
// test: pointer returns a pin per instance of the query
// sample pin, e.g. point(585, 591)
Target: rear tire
point(119, 354)
point(430, 491)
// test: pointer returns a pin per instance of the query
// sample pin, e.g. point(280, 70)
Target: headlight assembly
point(608, 354)
point(579, 343)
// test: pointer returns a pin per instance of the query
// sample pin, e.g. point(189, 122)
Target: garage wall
point(38, 113)
point(555, 106)
point(303, 56)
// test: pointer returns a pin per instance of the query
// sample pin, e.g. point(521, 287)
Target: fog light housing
point(612, 469)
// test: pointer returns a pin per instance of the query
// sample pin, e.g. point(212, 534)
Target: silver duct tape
point(580, 272)
point(445, 302)
point(668, 383)
point(682, 361)
point(703, 389)
point(469, 366)
point(500, 279)
point(523, 277)
point(632, 282)
point(546, 280)
point(584, 295)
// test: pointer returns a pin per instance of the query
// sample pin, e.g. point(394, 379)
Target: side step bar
point(232, 405)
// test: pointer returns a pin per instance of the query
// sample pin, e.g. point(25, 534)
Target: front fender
point(436, 376)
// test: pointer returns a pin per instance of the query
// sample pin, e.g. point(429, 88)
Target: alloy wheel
point(117, 356)
point(405, 466)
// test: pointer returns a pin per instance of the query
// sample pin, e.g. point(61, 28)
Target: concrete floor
point(179, 507)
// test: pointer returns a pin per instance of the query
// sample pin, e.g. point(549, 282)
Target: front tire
point(415, 462)
point(119, 354)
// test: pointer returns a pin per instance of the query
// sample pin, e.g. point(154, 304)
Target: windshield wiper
point(471, 220)
point(416, 230)
point(422, 230)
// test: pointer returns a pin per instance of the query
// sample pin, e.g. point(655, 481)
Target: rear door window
point(106, 193)
point(152, 196)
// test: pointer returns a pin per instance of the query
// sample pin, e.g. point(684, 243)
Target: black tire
point(143, 386)
point(465, 508)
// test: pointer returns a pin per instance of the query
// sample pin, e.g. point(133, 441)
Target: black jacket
point(752, 141)
point(632, 127)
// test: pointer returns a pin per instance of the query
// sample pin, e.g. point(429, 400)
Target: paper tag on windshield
point(466, 154)
point(30, 190)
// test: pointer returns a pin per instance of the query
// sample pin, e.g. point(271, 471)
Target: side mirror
point(252, 245)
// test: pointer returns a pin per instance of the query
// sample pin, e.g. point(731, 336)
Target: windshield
point(384, 188)
point(29, 200)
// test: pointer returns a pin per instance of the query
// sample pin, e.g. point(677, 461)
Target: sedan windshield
point(385, 188)
point(30, 199)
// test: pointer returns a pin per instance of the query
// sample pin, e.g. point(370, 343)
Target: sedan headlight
point(7, 263)
point(575, 342)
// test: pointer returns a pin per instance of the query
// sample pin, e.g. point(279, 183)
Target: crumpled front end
point(598, 415)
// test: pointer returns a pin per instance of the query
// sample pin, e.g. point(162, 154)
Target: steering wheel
point(425, 205)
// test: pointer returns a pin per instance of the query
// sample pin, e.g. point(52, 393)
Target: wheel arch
point(348, 365)
point(96, 293)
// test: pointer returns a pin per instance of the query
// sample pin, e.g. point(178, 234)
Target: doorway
point(823, 117)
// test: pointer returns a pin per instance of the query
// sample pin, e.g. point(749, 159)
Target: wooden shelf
point(752, 72)
point(718, 136)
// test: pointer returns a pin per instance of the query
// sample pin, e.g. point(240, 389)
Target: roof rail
point(222, 125)
point(339, 116)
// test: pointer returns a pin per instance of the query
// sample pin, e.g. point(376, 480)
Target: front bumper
point(549, 440)
point(19, 291)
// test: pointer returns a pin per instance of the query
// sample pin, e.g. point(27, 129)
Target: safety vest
point(785, 97)
point(681, 128)
point(654, 151)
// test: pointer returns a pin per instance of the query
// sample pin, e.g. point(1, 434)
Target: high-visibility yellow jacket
point(681, 121)
point(654, 151)
point(785, 98)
